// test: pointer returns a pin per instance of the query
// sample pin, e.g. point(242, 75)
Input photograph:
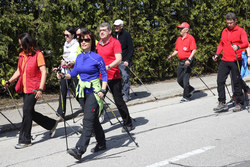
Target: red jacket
point(237, 36)
point(33, 73)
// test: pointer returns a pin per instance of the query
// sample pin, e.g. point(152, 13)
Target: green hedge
point(152, 24)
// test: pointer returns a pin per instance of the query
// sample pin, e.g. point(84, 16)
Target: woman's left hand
point(100, 94)
point(39, 94)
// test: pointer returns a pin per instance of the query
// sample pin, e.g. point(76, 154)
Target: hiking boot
point(221, 106)
point(184, 100)
point(98, 147)
point(53, 130)
point(75, 153)
point(129, 128)
point(22, 145)
point(238, 107)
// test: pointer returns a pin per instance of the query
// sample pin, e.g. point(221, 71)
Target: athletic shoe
point(75, 153)
point(98, 148)
point(220, 107)
point(237, 107)
point(101, 118)
point(129, 128)
point(184, 100)
point(21, 145)
point(53, 130)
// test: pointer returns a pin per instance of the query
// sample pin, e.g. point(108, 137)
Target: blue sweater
point(89, 66)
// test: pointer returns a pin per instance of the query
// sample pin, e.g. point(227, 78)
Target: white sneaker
point(21, 145)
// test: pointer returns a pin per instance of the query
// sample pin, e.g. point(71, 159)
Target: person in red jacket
point(32, 74)
point(233, 41)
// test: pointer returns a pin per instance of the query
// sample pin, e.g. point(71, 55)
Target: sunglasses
point(78, 35)
point(66, 35)
point(85, 40)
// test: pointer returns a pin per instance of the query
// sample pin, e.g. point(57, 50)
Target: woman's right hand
point(60, 75)
point(63, 63)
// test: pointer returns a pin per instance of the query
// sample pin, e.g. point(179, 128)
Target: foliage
point(152, 24)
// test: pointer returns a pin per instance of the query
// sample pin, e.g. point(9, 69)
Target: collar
point(234, 29)
point(109, 40)
point(185, 36)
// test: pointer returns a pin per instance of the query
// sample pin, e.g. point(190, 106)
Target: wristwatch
point(109, 67)
point(104, 91)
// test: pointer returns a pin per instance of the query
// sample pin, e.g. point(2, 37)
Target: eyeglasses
point(103, 30)
point(117, 27)
point(66, 35)
point(85, 40)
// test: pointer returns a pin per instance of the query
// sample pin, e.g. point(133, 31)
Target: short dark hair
point(92, 37)
point(82, 28)
point(72, 30)
point(230, 16)
point(28, 43)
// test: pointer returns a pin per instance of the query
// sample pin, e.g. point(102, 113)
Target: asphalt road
point(168, 133)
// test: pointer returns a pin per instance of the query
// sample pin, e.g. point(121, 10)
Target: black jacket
point(127, 45)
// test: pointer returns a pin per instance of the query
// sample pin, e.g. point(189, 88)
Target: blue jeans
point(124, 70)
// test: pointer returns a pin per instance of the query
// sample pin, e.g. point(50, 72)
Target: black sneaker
point(220, 107)
point(75, 153)
point(129, 128)
point(98, 148)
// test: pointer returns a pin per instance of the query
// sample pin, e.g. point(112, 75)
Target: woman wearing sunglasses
point(67, 64)
point(89, 91)
point(31, 74)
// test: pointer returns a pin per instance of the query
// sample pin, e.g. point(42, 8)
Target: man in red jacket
point(233, 41)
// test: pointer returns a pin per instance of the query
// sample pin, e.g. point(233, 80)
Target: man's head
point(118, 25)
point(231, 20)
point(105, 31)
point(184, 28)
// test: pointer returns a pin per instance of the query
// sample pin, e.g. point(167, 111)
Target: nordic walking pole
point(133, 91)
point(65, 130)
point(122, 125)
point(10, 121)
point(58, 114)
point(204, 83)
point(141, 82)
point(67, 85)
point(236, 58)
point(3, 83)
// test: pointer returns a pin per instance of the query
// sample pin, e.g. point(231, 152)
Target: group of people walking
point(94, 67)
point(233, 42)
point(90, 67)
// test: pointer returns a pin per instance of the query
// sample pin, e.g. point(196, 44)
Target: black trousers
point(65, 83)
point(115, 86)
point(30, 114)
point(183, 77)
point(225, 68)
point(91, 122)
